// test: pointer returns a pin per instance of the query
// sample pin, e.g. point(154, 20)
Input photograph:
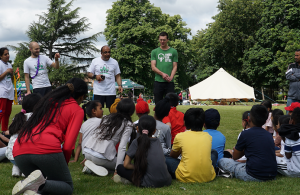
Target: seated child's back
point(175, 117)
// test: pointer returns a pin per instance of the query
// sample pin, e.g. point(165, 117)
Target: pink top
point(269, 124)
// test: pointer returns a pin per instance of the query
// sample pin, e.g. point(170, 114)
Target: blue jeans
point(172, 163)
point(289, 102)
point(237, 169)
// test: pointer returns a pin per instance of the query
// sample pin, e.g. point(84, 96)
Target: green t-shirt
point(164, 61)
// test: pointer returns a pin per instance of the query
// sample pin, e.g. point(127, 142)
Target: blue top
point(218, 141)
point(260, 153)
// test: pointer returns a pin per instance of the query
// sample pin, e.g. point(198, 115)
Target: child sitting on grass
point(29, 102)
point(284, 119)
point(196, 164)
point(141, 109)
point(290, 134)
point(175, 118)
point(268, 123)
point(93, 110)
point(212, 122)
point(149, 168)
point(275, 116)
point(258, 147)
point(99, 150)
point(163, 131)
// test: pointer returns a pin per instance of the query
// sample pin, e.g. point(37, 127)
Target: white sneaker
point(98, 170)
point(86, 170)
point(16, 172)
point(118, 179)
point(30, 192)
point(32, 182)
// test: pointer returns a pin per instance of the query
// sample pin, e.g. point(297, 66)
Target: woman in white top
point(6, 88)
point(100, 149)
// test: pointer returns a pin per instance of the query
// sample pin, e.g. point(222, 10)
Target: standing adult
point(164, 64)
point(105, 70)
point(35, 67)
point(293, 75)
point(6, 88)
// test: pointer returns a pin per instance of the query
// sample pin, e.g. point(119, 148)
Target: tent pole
point(241, 102)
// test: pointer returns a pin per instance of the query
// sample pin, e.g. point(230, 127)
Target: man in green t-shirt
point(164, 63)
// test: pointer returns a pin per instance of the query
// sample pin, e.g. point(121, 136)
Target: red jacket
point(63, 129)
point(175, 117)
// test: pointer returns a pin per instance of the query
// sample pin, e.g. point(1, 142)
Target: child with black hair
point(284, 119)
point(163, 131)
point(275, 116)
point(268, 123)
point(149, 168)
point(99, 150)
point(212, 122)
point(290, 133)
point(196, 164)
point(175, 117)
point(93, 109)
point(29, 102)
point(258, 147)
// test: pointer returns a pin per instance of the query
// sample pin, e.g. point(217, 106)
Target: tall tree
point(57, 30)
point(277, 40)
point(132, 29)
point(226, 40)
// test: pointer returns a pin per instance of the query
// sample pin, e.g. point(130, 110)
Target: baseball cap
point(292, 106)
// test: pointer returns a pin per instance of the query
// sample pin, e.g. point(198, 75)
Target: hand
point(120, 89)
point(28, 92)
point(169, 79)
point(10, 71)
point(56, 56)
point(165, 76)
point(98, 78)
point(82, 163)
point(72, 161)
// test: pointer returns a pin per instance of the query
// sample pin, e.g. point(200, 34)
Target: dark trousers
point(108, 99)
point(172, 163)
point(42, 91)
point(161, 89)
point(53, 166)
point(125, 173)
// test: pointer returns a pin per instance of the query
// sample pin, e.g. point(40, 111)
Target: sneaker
point(32, 182)
point(118, 179)
point(30, 192)
point(221, 173)
point(16, 172)
point(86, 170)
point(98, 170)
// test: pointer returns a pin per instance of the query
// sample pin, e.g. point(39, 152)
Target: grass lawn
point(230, 126)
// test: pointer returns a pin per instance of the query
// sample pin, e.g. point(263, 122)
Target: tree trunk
point(262, 93)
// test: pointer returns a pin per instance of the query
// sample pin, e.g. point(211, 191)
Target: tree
point(132, 29)
point(226, 40)
point(57, 30)
point(277, 40)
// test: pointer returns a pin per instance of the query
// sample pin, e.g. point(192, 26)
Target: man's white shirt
point(41, 80)
point(109, 69)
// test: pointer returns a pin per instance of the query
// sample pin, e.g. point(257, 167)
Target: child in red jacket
point(175, 118)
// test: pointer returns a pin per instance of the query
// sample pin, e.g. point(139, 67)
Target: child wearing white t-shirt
point(29, 102)
point(93, 110)
point(290, 133)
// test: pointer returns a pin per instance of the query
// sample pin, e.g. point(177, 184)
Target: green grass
point(230, 126)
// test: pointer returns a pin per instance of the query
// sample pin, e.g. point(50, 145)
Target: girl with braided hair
point(149, 168)
point(56, 119)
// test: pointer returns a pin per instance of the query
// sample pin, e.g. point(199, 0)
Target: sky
point(17, 15)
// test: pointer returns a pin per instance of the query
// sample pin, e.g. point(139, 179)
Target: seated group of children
point(153, 150)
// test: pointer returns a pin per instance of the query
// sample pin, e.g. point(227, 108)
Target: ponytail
point(146, 126)
point(17, 123)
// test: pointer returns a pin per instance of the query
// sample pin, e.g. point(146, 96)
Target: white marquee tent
point(221, 85)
